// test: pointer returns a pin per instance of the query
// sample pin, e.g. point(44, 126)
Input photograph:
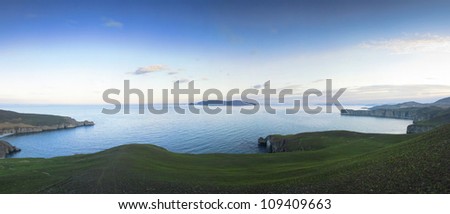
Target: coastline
point(5, 135)
point(335, 162)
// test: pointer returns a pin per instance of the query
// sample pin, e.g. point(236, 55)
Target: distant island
point(224, 103)
point(425, 116)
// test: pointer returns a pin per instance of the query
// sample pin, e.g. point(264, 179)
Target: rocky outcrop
point(273, 145)
point(86, 123)
point(7, 149)
point(262, 141)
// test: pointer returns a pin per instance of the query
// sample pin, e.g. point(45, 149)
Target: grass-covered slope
point(335, 162)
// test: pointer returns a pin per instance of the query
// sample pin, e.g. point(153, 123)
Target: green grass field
point(330, 162)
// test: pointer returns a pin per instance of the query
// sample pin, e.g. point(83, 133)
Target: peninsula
point(18, 123)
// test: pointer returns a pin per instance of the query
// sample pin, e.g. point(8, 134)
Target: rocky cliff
point(274, 144)
point(404, 113)
point(7, 149)
point(414, 128)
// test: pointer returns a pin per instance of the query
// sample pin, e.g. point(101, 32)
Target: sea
point(183, 133)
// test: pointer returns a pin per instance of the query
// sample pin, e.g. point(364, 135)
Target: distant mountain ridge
point(444, 101)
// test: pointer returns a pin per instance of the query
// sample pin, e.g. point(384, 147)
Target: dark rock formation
point(262, 141)
point(7, 149)
point(273, 145)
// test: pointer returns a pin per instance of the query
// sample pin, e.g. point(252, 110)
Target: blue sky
point(69, 52)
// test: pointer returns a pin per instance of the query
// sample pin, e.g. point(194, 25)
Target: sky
point(70, 52)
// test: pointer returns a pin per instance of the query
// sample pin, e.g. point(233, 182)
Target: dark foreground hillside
point(343, 162)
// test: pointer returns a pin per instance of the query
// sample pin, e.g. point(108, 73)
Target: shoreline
point(330, 162)
point(273, 138)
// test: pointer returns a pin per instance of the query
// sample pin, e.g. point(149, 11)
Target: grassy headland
point(19, 123)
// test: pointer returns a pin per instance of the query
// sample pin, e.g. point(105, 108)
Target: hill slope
point(377, 164)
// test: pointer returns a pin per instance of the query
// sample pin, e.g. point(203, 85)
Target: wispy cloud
point(112, 23)
point(416, 88)
point(317, 81)
point(412, 44)
point(149, 69)
point(258, 86)
point(172, 73)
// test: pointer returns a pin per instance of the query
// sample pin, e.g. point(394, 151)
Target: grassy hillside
point(335, 162)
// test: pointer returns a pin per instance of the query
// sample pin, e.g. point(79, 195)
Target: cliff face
point(410, 114)
point(278, 146)
point(273, 144)
point(6, 149)
point(419, 128)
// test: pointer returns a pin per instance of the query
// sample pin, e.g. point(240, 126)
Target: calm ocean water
point(222, 133)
